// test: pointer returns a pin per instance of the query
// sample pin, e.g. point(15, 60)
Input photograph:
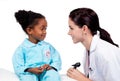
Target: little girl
point(35, 59)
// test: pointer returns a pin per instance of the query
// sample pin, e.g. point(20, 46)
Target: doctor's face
point(75, 32)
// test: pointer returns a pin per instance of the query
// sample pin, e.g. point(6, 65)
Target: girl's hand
point(36, 70)
point(39, 70)
point(47, 67)
point(77, 75)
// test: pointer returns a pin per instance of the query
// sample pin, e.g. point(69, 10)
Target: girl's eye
point(43, 28)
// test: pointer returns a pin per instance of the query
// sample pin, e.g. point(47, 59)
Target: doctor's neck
point(87, 41)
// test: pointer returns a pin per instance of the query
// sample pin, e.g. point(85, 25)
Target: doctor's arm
point(111, 71)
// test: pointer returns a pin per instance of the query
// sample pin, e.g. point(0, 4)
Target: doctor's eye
point(70, 28)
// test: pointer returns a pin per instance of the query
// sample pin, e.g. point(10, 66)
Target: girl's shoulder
point(44, 43)
point(47, 44)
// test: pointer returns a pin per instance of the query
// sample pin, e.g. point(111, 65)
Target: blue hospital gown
point(30, 55)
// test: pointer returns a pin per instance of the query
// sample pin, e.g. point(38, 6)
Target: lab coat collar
point(94, 42)
point(27, 43)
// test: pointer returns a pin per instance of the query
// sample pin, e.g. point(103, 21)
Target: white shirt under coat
point(104, 61)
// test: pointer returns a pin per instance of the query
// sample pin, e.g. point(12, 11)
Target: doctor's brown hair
point(86, 16)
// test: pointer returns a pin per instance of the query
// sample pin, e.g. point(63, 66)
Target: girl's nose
point(44, 32)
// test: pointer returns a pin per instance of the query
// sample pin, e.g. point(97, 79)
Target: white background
point(56, 13)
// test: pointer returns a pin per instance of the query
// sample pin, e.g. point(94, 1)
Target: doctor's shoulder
point(106, 50)
point(106, 46)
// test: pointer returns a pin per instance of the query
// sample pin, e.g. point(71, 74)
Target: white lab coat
point(104, 61)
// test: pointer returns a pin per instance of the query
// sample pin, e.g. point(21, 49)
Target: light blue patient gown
point(30, 55)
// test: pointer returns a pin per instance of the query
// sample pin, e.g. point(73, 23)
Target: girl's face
point(38, 32)
point(75, 32)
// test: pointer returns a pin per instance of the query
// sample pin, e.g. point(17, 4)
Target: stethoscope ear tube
point(76, 65)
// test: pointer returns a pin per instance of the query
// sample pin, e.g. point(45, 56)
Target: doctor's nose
point(69, 33)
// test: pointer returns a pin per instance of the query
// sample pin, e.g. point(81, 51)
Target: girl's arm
point(56, 59)
point(19, 61)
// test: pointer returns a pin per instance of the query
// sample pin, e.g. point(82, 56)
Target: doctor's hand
point(77, 75)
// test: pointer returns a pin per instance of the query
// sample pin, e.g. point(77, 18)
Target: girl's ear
point(29, 30)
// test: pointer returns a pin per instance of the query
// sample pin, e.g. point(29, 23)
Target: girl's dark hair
point(27, 18)
point(86, 16)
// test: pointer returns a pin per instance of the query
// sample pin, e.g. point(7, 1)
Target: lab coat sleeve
point(111, 71)
point(56, 59)
point(19, 61)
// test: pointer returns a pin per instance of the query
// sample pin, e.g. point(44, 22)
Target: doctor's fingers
point(71, 72)
point(74, 72)
point(69, 75)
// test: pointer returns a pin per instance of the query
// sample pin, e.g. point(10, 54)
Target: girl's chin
point(42, 38)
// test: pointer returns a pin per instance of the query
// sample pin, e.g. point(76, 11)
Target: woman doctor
point(102, 56)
